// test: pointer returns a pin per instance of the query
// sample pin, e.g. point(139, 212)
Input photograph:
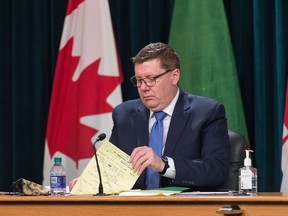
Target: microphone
point(100, 188)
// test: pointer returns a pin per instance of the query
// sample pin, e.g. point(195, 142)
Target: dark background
point(29, 42)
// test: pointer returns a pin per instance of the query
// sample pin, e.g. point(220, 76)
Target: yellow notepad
point(116, 171)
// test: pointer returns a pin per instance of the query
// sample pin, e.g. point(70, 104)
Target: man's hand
point(143, 157)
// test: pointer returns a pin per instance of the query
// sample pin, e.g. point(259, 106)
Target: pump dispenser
point(247, 177)
point(247, 160)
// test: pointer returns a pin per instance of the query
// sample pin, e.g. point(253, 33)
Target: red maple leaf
point(72, 100)
point(72, 5)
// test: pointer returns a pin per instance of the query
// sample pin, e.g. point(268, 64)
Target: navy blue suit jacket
point(197, 140)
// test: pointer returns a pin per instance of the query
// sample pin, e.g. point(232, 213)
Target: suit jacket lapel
point(141, 124)
point(179, 119)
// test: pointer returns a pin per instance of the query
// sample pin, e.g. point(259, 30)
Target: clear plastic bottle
point(57, 178)
point(248, 177)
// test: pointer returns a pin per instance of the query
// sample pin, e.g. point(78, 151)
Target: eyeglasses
point(149, 81)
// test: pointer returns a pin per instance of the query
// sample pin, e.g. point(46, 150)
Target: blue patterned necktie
point(156, 141)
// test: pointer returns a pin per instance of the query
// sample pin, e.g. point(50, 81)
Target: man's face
point(160, 95)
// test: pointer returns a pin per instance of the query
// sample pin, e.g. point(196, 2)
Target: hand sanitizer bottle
point(247, 177)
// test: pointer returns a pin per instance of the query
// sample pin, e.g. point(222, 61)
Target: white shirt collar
point(170, 108)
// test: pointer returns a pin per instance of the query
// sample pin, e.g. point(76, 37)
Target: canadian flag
point(284, 165)
point(86, 87)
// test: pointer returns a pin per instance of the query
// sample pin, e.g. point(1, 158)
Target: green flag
point(200, 35)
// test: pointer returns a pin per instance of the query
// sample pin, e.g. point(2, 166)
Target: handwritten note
point(116, 171)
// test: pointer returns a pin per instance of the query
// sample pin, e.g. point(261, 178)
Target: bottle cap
point(247, 161)
point(57, 159)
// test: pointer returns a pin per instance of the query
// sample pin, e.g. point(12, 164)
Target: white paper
point(116, 171)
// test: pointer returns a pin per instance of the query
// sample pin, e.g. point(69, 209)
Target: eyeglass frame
point(135, 81)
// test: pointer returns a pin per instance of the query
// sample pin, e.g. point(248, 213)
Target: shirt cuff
point(171, 171)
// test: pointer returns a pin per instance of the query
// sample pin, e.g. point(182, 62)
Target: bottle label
point(246, 179)
point(58, 181)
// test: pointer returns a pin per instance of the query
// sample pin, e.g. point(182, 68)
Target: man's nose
point(143, 86)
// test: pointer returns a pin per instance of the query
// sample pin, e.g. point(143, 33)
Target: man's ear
point(176, 76)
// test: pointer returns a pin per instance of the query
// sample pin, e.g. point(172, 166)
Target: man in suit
point(195, 144)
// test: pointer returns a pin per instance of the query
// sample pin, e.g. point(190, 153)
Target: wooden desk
point(270, 204)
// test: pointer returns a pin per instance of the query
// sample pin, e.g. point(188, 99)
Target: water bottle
point(57, 178)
